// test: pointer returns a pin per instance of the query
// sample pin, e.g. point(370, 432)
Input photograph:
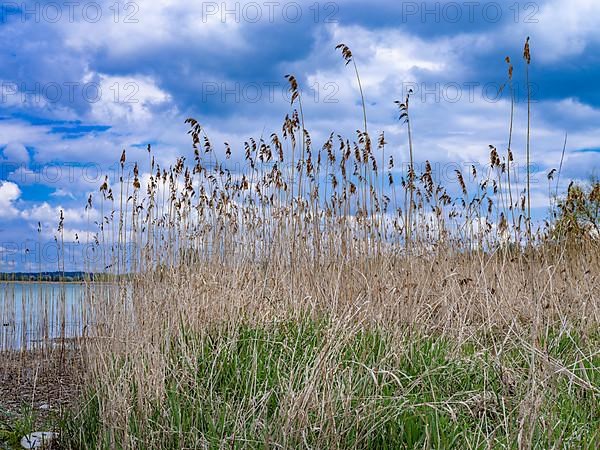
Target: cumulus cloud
point(124, 100)
point(565, 30)
point(9, 194)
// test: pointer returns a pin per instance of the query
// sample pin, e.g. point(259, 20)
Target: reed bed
point(321, 298)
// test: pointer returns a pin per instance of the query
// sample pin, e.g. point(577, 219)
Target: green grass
point(300, 385)
point(14, 426)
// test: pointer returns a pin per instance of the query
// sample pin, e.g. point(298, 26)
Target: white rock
point(37, 439)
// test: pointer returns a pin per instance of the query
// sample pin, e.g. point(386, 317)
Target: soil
point(42, 383)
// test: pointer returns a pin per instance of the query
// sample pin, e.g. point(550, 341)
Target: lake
point(33, 315)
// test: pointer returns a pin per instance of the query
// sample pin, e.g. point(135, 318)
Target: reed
point(294, 303)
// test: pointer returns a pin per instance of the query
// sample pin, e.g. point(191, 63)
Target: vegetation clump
point(321, 298)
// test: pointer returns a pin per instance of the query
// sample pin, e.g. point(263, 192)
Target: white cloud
point(9, 194)
point(62, 193)
point(563, 29)
point(156, 23)
point(16, 152)
point(125, 99)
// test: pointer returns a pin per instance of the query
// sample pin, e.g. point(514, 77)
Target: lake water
point(33, 315)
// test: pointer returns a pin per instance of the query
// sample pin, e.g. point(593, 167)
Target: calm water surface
point(33, 315)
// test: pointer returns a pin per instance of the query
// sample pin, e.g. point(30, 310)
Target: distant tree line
point(46, 276)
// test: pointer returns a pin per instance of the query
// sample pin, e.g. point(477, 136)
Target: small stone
point(44, 406)
point(38, 439)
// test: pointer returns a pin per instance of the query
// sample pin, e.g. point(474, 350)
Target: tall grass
point(296, 304)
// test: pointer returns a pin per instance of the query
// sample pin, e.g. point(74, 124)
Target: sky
point(81, 81)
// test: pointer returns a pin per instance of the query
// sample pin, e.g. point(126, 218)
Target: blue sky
point(81, 82)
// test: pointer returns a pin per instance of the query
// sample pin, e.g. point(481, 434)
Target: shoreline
point(41, 282)
point(51, 282)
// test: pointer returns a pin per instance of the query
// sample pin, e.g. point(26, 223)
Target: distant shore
point(95, 282)
point(47, 282)
point(50, 277)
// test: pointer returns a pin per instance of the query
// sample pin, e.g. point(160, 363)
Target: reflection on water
point(33, 315)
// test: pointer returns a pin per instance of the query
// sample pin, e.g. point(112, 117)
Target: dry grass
point(208, 342)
